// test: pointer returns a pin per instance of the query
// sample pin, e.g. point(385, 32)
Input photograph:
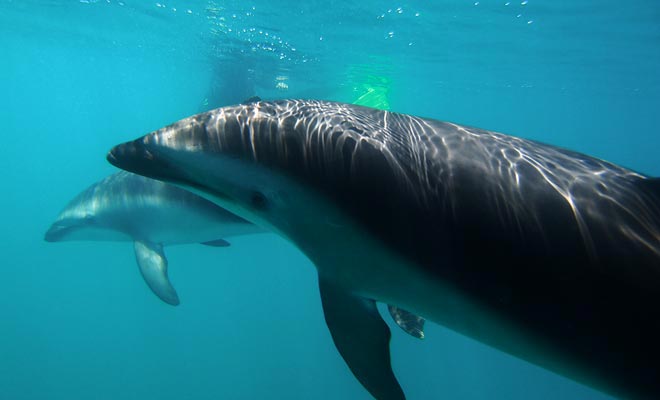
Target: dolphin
point(151, 214)
point(544, 253)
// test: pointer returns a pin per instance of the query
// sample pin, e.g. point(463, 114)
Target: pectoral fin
point(153, 266)
point(216, 243)
point(362, 338)
point(411, 324)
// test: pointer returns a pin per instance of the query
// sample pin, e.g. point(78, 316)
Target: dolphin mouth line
point(55, 233)
point(111, 157)
point(49, 238)
point(114, 157)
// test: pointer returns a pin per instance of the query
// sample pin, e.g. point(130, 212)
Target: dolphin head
point(76, 221)
point(82, 219)
point(65, 229)
point(279, 164)
point(239, 157)
point(83, 227)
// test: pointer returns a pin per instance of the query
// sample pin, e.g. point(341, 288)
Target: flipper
point(153, 266)
point(362, 338)
point(412, 324)
point(217, 243)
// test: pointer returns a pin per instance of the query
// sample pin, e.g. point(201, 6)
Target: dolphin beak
point(54, 233)
point(137, 158)
point(142, 158)
point(112, 159)
point(129, 155)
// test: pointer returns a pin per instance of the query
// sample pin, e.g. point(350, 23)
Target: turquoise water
point(77, 77)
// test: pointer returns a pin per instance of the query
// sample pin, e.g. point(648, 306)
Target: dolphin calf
point(544, 253)
point(151, 214)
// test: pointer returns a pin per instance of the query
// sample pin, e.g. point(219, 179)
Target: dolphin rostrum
point(547, 254)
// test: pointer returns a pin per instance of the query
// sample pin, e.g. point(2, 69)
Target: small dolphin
point(151, 214)
point(547, 254)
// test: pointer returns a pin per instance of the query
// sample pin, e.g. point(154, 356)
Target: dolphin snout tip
point(111, 156)
point(129, 156)
point(144, 158)
point(53, 234)
point(123, 153)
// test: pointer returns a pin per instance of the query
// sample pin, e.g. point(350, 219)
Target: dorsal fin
point(253, 99)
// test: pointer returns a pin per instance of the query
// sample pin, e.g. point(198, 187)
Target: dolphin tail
point(153, 266)
point(362, 338)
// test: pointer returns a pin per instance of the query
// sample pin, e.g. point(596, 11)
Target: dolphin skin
point(150, 213)
point(544, 253)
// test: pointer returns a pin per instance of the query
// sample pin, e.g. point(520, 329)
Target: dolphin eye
point(258, 200)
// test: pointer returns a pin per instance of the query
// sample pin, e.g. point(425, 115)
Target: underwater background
point(77, 77)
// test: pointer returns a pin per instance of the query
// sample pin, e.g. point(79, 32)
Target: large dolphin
point(150, 213)
point(547, 254)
